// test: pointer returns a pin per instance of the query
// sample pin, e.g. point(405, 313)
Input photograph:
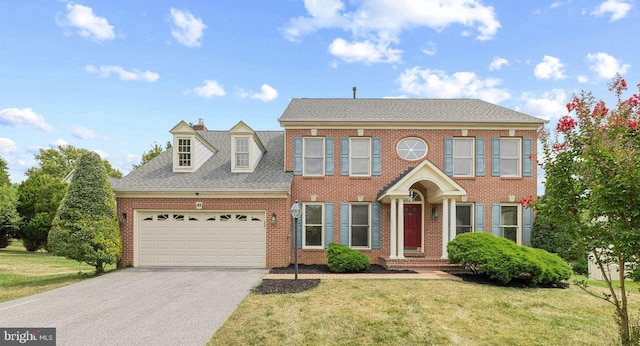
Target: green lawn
point(421, 312)
point(24, 273)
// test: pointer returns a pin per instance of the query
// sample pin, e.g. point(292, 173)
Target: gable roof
point(182, 128)
point(401, 111)
point(215, 175)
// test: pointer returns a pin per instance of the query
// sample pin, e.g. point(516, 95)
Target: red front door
point(412, 226)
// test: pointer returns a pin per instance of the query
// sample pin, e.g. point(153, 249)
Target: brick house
point(394, 178)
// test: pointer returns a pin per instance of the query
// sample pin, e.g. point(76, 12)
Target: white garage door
point(224, 239)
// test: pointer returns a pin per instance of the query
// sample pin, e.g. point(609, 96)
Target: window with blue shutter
point(480, 217)
point(527, 216)
point(495, 157)
point(297, 156)
point(448, 156)
point(527, 167)
point(344, 156)
point(328, 224)
point(375, 156)
point(344, 223)
point(480, 157)
point(328, 159)
point(375, 226)
point(495, 220)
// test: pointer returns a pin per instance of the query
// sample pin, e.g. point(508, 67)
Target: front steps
point(418, 262)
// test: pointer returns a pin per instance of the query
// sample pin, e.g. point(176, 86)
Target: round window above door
point(412, 148)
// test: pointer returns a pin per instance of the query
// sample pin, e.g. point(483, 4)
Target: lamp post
point(296, 210)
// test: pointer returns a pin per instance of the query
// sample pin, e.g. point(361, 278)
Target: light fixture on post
point(434, 213)
point(273, 218)
point(296, 210)
point(123, 217)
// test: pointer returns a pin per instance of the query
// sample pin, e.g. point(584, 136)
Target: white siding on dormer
point(200, 154)
point(255, 154)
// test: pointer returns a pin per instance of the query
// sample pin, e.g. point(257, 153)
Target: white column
point(452, 220)
point(445, 229)
point(394, 230)
point(401, 228)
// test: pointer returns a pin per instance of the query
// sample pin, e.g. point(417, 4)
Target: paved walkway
point(419, 275)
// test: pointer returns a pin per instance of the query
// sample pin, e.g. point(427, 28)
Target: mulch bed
point(281, 286)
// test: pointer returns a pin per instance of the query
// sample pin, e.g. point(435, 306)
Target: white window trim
point(518, 164)
point(426, 148)
point(472, 212)
point(472, 173)
point(304, 166)
point(234, 167)
point(518, 220)
point(368, 174)
point(368, 247)
point(177, 152)
point(304, 224)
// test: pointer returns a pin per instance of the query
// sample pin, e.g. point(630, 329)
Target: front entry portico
point(440, 189)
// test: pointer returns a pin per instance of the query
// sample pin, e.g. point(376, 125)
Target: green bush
point(503, 260)
point(342, 259)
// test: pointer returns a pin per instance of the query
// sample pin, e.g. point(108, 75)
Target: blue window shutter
point(495, 219)
point(328, 224)
point(527, 146)
point(297, 156)
point(344, 156)
point(328, 156)
point(480, 157)
point(448, 156)
point(479, 217)
point(299, 232)
point(344, 223)
point(375, 225)
point(375, 156)
point(527, 216)
point(495, 157)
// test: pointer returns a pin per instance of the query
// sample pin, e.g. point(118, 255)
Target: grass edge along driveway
point(421, 312)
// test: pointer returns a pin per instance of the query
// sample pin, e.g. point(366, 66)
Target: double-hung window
point(242, 152)
point(360, 157)
point(463, 157)
point(313, 225)
point(510, 156)
point(509, 222)
point(464, 218)
point(184, 152)
point(313, 156)
point(360, 226)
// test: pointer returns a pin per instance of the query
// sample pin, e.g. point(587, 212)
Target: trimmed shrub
point(342, 259)
point(503, 260)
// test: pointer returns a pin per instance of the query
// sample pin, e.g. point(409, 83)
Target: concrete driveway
point(136, 306)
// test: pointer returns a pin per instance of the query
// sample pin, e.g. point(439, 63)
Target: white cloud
point(89, 25)
point(430, 49)
point(582, 79)
point(551, 104)
point(188, 29)
point(23, 118)
point(59, 143)
point(103, 154)
point(365, 52)
point(241, 93)
point(498, 63)
point(133, 75)
point(266, 94)
point(7, 146)
point(84, 133)
point(437, 84)
point(605, 65)
point(618, 9)
point(550, 68)
point(210, 89)
point(375, 24)
point(557, 4)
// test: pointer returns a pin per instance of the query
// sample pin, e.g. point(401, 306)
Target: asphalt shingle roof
point(215, 174)
point(401, 110)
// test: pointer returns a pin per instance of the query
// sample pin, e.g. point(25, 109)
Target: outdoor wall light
point(123, 217)
point(434, 213)
point(273, 218)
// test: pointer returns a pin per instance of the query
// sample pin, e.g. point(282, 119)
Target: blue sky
point(116, 76)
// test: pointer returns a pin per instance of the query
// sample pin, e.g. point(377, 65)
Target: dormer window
point(184, 152)
point(242, 152)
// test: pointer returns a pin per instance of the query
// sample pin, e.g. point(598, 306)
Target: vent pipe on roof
point(354, 92)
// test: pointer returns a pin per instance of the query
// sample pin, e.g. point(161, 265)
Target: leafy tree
point(38, 199)
point(85, 227)
point(156, 150)
point(592, 162)
point(40, 194)
point(4, 175)
point(9, 218)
